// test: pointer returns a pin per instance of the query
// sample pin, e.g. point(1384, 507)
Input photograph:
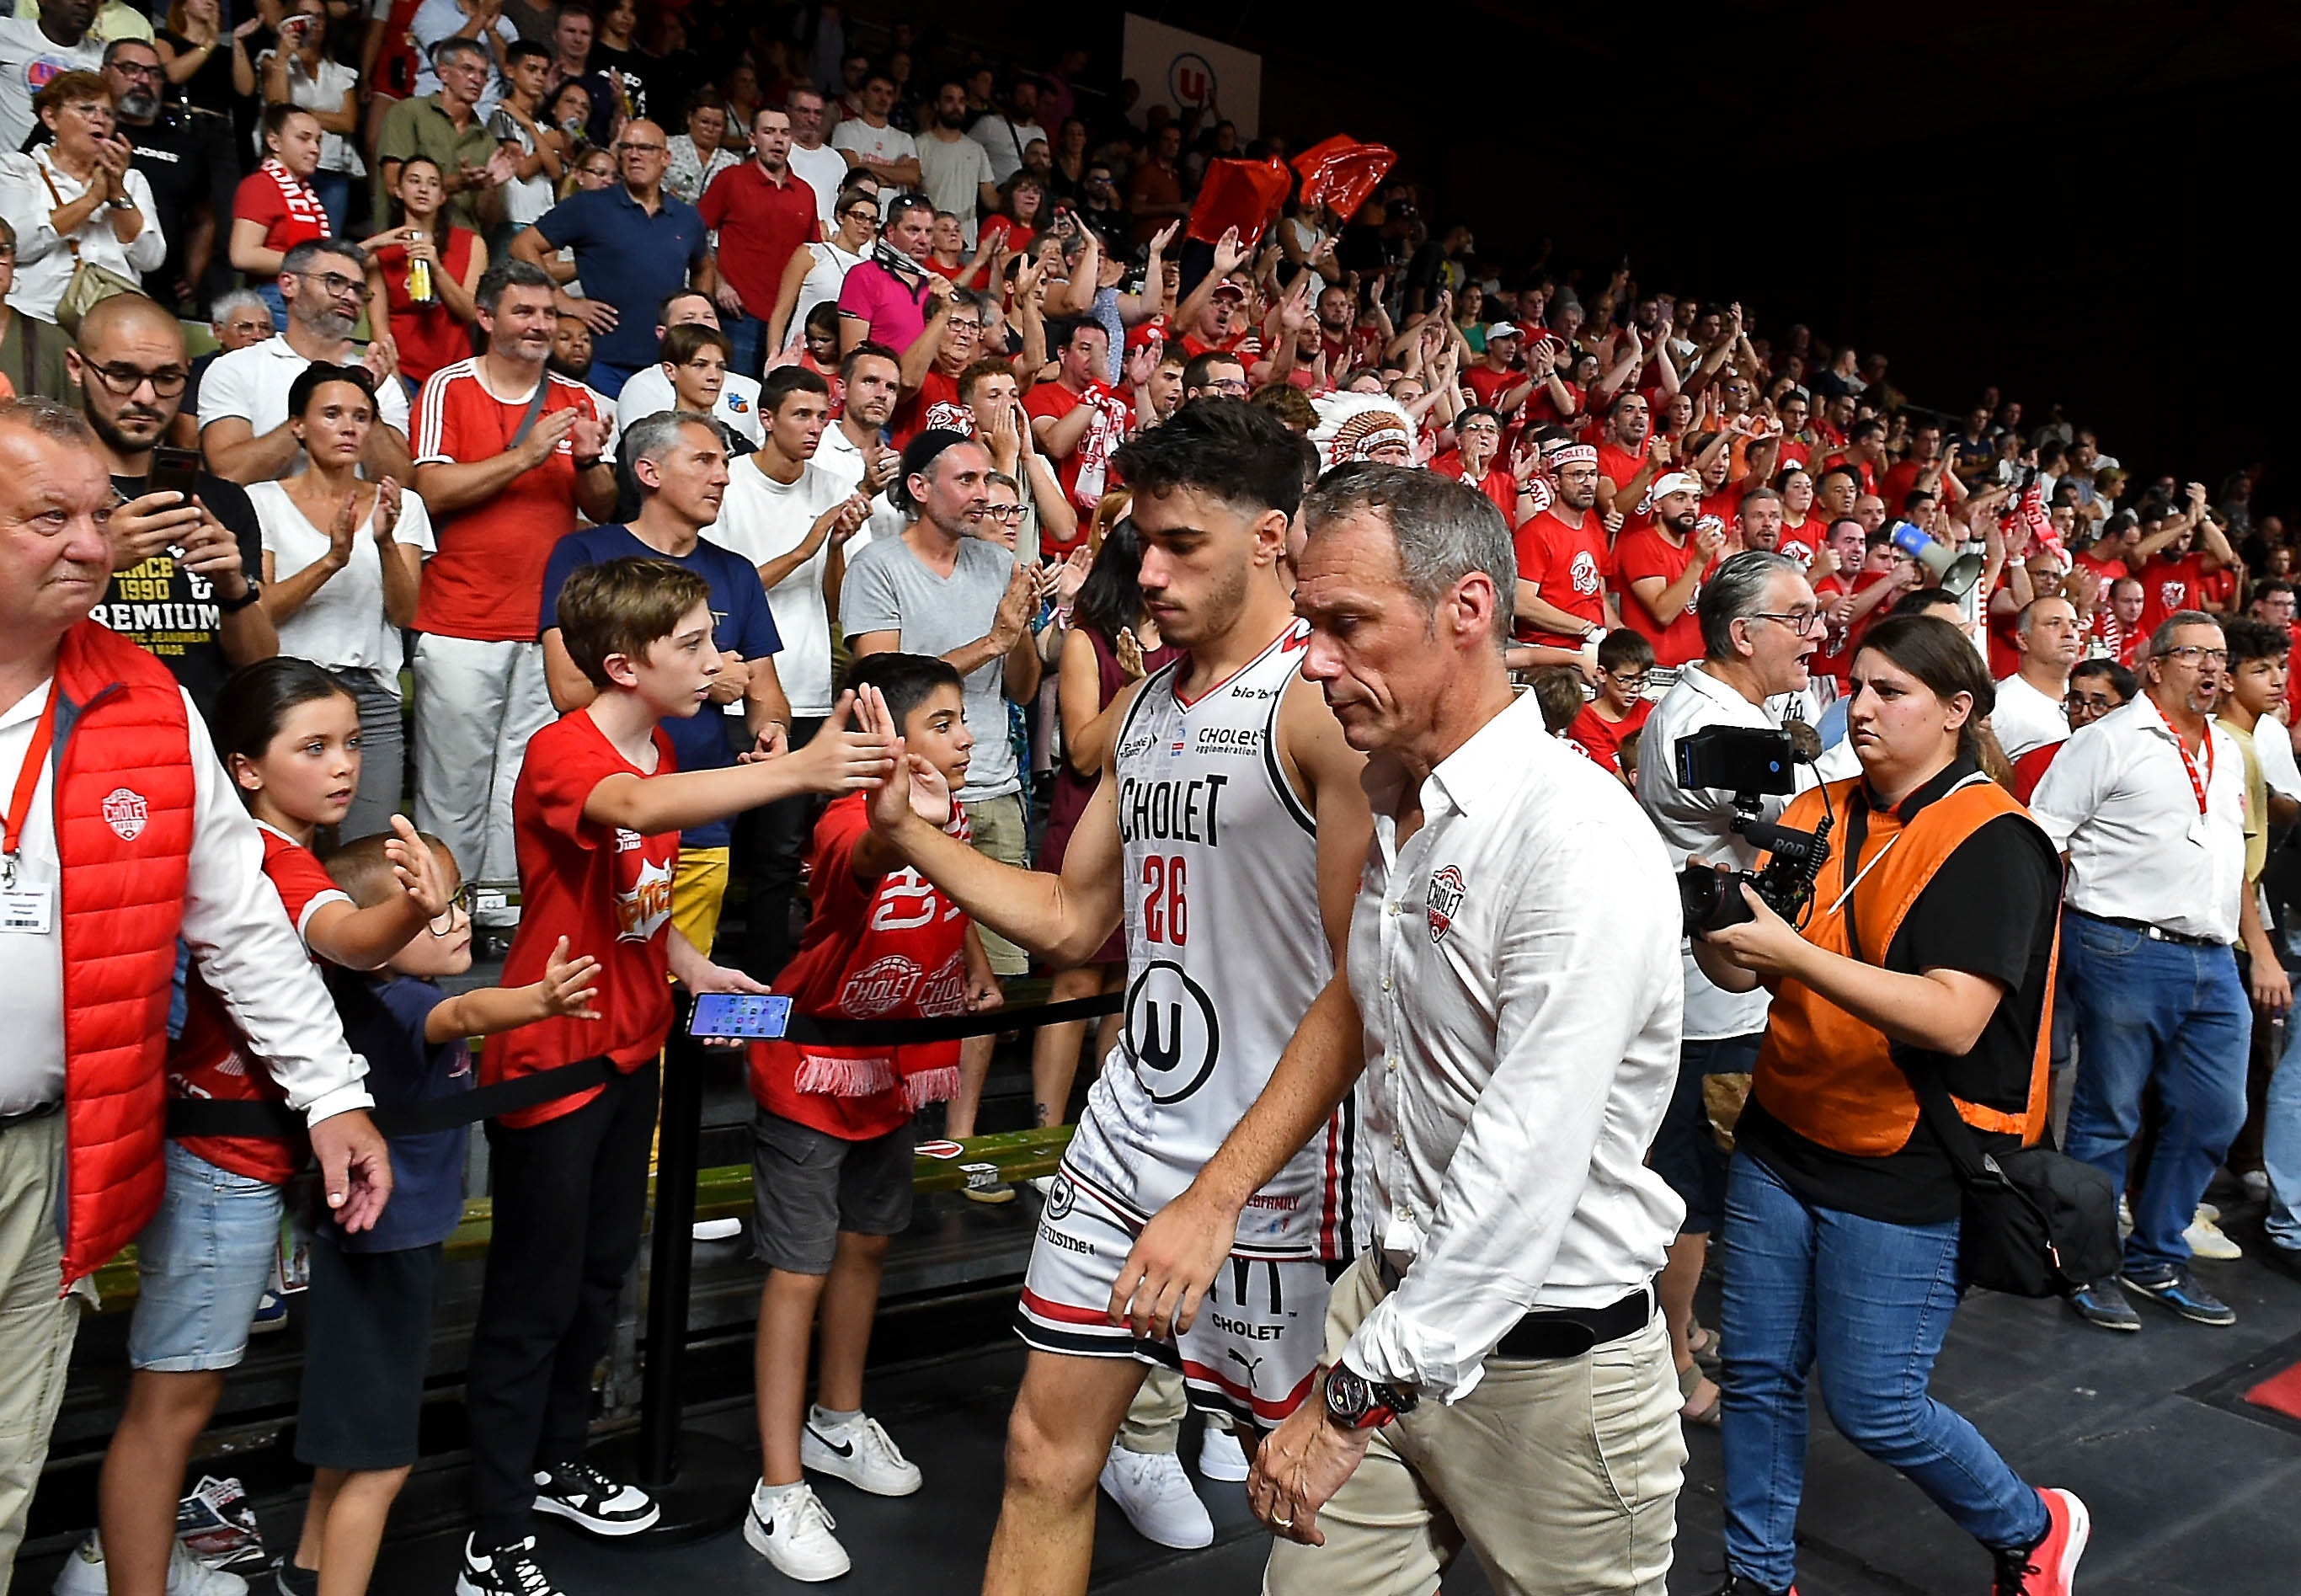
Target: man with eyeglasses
point(763, 213)
point(2147, 807)
point(243, 429)
point(168, 154)
point(447, 128)
point(635, 246)
point(1216, 374)
point(183, 575)
point(1760, 624)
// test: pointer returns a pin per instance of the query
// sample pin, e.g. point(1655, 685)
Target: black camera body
point(1752, 765)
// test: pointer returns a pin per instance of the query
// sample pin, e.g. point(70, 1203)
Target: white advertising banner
point(1186, 71)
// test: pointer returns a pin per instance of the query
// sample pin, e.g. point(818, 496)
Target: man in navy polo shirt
point(635, 247)
point(682, 476)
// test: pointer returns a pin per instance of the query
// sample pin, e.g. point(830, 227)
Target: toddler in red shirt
point(831, 1149)
point(596, 816)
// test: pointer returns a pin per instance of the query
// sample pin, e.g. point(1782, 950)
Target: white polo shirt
point(2026, 718)
point(1519, 1047)
point(253, 383)
point(2118, 799)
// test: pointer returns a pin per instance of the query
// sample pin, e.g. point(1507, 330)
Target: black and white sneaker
point(590, 1501)
point(505, 1571)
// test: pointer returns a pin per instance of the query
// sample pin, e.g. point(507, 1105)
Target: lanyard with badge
point(22, 909)
point(2198, 784)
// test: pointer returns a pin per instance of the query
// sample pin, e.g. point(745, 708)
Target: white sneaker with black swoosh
point(792, 1529)
point(862, 1454)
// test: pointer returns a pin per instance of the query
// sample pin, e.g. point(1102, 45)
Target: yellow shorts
point(697, 892)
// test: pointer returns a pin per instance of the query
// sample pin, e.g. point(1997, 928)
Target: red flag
point(1245, 195)
point(2030, 511)
point(1340, 172)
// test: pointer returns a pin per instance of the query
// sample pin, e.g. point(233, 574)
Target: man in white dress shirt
point(1495, 1370)
point(2148, 810)
point(54, 560)
point(2031, 712)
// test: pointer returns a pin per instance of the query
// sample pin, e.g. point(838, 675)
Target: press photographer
point(1760, 623)
point(1925, 956)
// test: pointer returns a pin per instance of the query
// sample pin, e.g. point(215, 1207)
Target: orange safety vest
point(1831, 1077)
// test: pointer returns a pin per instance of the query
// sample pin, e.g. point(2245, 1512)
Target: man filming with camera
point(1758, 625)
point(1921, 963)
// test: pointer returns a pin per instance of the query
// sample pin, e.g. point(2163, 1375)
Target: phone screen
point(738, 1015)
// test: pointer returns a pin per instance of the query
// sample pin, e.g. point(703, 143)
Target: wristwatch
point(122, 204)
point(1355, 1402)
point(248, 595)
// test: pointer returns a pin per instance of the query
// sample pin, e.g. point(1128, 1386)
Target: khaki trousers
point(36, 1326)
point(1560, 1473)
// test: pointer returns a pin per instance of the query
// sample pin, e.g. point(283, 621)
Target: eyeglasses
point(2196, 654)
point(136, 68)
point(1799, 620)
point(956, 326)
point(335, 284)
point(628, 148)
point(1629, 682)
point(1005, 511)
point(865, 214)
point(443, 924)
point(124, 380)
point(2098, 703)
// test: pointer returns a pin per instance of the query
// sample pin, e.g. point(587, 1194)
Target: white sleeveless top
point(1225, 953)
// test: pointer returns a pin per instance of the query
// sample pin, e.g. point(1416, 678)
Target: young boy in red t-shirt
point(1620, 708)
point(831, 1143)
point(596, 816)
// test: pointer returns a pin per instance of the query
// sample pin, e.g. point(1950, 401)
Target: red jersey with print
point(1568, 565)
point(1603, 739)
point(934, 404)
point(1803, 541)
point(487, 579)
point(1498, 485)
point(2170, 586)
point(608, 891)
point(1490, 385)
point(894, 949)
point(1086, 470)
point(1648, 553)
point(210, 1058)
point(1834, 657)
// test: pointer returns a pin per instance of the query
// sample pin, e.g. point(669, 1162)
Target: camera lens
point(1711, 901)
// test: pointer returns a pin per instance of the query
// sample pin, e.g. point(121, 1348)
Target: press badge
point(25, 909)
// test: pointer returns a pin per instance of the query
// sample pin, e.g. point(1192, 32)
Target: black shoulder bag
point(2035, 1222)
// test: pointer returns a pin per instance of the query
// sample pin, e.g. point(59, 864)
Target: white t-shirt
point(1004, 142)
point(824, 170)
point(952, 172)
point(524, 200)
point(881, 146)
point(253, 384)
point(2026, 719)
point(762, 520)
point(842, 462)
point(820, 286)
point(29, 58)
point(341, 626)
point(436, 19)
point(649, 391)
point(325, 92)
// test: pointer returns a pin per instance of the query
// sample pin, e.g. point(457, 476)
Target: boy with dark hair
point(367, 1326)
point(1620, 709)
point(831, 1161)
point(596, 814)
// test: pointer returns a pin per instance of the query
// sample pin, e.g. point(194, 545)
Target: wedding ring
point(1283, 1524)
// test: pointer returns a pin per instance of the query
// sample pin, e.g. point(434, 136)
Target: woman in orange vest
point(1928, 946)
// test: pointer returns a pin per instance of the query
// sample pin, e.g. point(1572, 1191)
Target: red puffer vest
point(123, 802)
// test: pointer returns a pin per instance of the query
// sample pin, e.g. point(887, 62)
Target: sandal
point(1690, 1382)
point(1703, 1342)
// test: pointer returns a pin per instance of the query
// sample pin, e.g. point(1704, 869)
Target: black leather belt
point(1559, 1331)
point(2155, 934)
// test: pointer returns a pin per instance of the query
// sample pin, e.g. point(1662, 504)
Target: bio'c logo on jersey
point(1171, 1034)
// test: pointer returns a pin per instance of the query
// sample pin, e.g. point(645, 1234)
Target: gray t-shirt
point(888, 589)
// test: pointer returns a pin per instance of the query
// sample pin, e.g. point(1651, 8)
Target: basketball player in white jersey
point(1229, 831)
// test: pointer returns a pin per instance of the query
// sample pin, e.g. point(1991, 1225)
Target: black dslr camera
point(1750, 765)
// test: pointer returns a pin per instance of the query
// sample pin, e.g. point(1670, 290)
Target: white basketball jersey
point(1225, 953)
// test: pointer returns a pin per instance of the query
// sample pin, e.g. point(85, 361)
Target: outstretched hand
point(891, 804)
point(569, 986)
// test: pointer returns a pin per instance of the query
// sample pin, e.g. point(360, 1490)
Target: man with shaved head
point(184, 574)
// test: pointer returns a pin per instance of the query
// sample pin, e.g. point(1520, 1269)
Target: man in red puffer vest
point(122, 836)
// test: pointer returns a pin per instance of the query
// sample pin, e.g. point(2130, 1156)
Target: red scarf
point(308, 218)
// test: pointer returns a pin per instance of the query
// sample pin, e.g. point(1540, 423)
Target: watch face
point(1347, 1395)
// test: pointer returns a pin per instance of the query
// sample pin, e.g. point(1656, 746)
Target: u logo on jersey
point(1171, 1033)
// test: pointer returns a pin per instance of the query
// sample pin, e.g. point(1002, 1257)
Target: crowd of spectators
point(503, 294)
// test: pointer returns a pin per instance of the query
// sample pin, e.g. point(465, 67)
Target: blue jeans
point(1871, 1303)
point(2280, 1144)
point(2162, 1013)
point(608, 379)
point(745, 334)
point(335, 191)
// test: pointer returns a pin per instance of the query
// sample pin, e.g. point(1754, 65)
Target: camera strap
point(1857, 833)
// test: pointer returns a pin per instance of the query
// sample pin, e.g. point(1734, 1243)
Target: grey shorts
point(807, 1186)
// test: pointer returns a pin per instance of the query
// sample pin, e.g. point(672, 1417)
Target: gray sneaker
point(2104, 1305)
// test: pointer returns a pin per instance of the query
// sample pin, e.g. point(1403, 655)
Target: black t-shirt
point(635, 75)
point(1990, 911)
point(173, 161)
point(170, 613)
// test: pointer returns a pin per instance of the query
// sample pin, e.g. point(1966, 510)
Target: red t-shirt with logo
point(210, 1058)
point(1498, 485)
point(2168, 586)
point(894, 949)
point(1803, 541)
point(1489, 384)
point(1834, 657)
point(1646, 553)
point(487, 579)
point(1568, 565)
point(935, 403)
point(1603, 739)
point(608, 891)
point(1085, 472)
